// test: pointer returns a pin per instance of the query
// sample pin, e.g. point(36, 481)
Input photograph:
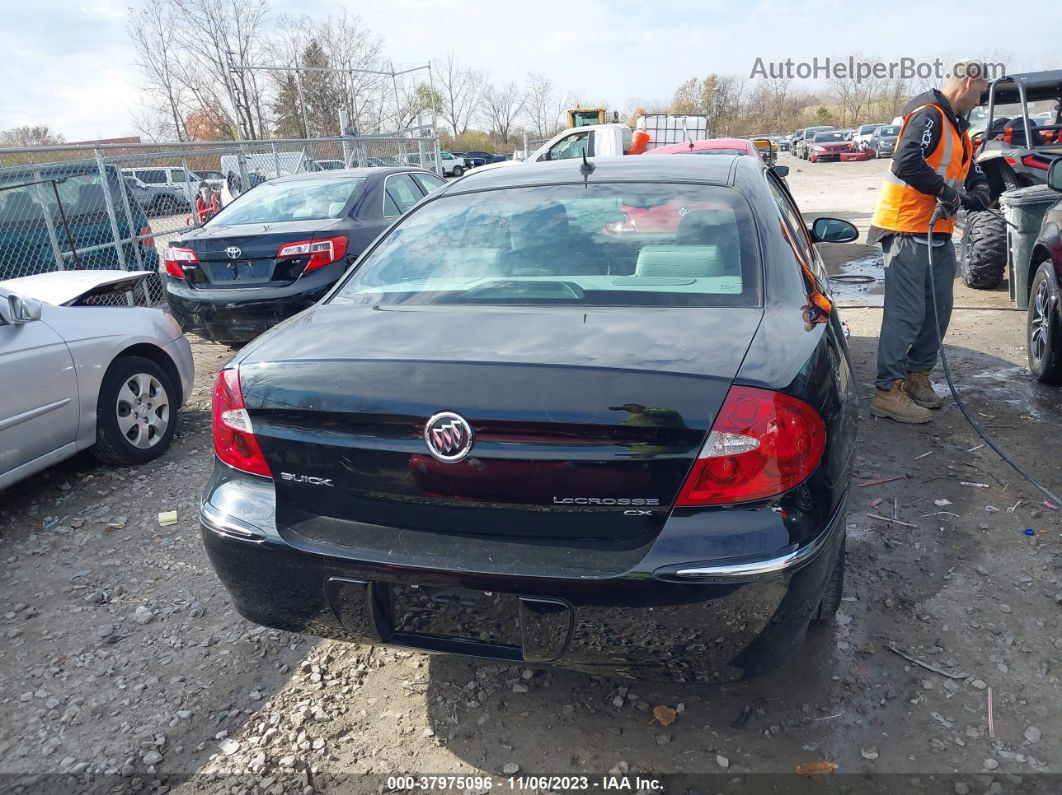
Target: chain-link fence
point(117, 206)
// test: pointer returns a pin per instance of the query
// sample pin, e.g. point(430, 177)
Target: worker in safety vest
point(933, 162)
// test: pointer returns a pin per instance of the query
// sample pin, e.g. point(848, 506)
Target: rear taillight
point(320, 252)
point(234, 441)
point(146, 240)
point(177, 259)
point(762, 444)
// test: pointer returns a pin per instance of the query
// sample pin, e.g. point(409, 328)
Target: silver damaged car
point(76, 376)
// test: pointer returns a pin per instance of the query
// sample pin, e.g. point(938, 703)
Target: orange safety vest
point(901, 208)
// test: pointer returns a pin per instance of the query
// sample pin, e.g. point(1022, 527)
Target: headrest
point(679, 261)
point(550, 220)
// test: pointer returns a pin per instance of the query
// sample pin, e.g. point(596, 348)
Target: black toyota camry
point(600, 416)
point(277, 249)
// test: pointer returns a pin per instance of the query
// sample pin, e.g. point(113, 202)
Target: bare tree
point(777, 94)
point(154, 32)
point(544, 104)
point(352, 48)
point(855, 95)
point(502, 106)
point(461, 90)
point(214, 36)
point(349, 49)
point(722, 97)
point(30, 135)
point(892, 98)
point(687, 98)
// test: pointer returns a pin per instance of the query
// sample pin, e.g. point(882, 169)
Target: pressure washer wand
point(938, 212)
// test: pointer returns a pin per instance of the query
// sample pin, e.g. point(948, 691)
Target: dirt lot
point(123, 659)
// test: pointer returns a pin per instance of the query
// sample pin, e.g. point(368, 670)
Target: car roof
point(347, 173)
point(716, 170)
point(1038, 86)
point(66, 168)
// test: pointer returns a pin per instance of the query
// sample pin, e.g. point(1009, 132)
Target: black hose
point(951, 384)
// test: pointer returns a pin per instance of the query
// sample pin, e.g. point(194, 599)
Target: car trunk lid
point(585, 427)
point(246, 255)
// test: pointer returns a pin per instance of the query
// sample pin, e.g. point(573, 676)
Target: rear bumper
point(230, 314)
point(667, 620)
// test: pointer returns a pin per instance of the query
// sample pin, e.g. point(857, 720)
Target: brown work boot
point(897, 405)
point(918, 386)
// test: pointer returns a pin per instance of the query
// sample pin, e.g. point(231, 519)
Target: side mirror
point(833, 230)
point(780, 171)
point(1054, 175)
point(16, 311)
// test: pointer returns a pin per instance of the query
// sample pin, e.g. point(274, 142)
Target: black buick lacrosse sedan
point(596, 415)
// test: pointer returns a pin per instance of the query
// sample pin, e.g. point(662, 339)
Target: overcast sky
point(69, 63)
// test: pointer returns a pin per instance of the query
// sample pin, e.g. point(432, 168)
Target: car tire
point(1043, 329)
point(983, 250)
point(831, 596)
point(458, 171)
point(136, 412)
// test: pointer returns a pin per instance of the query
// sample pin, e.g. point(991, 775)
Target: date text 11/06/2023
point(525, 783)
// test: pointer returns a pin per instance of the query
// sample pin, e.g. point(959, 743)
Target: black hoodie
point(919, 139)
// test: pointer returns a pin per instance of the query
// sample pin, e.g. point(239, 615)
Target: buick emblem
point(233, 252)
point(449, 437)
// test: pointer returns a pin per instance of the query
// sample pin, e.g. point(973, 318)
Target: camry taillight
point(762, 444)
point(177, 259)
point(320, 252)
point(234, 441)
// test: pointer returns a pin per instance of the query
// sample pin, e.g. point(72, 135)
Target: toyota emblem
point(233, 252)
point(449, 437)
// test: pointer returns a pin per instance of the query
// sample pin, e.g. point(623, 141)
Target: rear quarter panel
point(807, 360)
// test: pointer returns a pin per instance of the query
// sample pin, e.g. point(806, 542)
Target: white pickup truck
point(597, 140)
point(608, 140)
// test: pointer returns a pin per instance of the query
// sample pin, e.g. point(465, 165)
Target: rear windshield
point(606, 244)
point(883, 131)
point(305, 200)
point(829, 136)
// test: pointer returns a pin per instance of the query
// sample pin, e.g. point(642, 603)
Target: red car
point(709, 146)
point(828, 146)
point(663, 219)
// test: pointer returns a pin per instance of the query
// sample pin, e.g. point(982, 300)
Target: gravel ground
point(122, 659)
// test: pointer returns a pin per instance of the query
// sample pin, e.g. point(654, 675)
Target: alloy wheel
point(143, 410)
point(1039, 323)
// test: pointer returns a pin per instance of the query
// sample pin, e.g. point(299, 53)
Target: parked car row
point(817, 144)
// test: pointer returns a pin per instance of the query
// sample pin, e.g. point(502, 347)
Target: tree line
point(740, 107)
point(222, 69)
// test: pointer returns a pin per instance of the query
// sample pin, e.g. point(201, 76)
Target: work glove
point(949, 201)
point(976, 199)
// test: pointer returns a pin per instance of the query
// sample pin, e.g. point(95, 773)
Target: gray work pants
point(908, 341)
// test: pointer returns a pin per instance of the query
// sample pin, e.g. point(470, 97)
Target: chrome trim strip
point(759, 568)
point(223, 524)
